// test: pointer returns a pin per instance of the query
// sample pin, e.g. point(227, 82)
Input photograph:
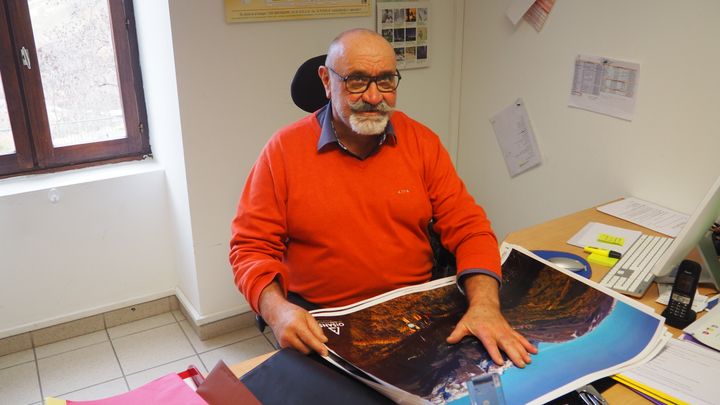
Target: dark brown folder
point(222, 387)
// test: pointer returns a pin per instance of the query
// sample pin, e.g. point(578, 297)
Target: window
point(71, 91)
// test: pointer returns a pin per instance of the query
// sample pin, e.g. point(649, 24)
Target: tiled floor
point(119, 359)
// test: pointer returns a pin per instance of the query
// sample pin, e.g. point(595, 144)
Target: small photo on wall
point(406, 26)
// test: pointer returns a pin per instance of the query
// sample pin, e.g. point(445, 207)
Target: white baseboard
point(200, 320)
point(73, 316)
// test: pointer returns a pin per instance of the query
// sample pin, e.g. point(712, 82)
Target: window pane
point(7, 145)
point(77, 66)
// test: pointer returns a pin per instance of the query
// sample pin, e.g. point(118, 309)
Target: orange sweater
point(336, 229)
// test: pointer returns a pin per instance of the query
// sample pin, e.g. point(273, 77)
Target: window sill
point(35, 182)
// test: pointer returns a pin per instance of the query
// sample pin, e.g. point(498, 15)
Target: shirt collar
point(327, 134)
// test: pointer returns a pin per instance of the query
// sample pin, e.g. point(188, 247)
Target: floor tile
point(237, 352)
point(151, 348)
point(144, 377)
point(16, 358)
point(99, 391)
point(71, 344)
point(77, 369)
point(202, 346)
point(19, 385)
point(141, 325)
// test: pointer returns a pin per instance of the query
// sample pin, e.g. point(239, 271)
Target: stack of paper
point(683, 373)
point(647, 214)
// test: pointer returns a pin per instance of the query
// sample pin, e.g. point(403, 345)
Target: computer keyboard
point(632, 274)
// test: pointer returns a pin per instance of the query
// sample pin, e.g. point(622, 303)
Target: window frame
point(26, 103)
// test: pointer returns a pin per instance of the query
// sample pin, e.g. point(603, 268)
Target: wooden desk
point(244, 366)
point(553, 235)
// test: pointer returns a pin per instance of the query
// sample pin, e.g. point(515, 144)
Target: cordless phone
point(679, 311)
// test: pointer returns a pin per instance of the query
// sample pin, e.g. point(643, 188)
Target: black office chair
point(307, 89)
point(308, 93)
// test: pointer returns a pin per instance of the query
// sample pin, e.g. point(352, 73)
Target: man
point(337, 206)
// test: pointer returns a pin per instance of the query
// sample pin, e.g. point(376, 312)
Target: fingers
point(302, 333)
point(507, 343)
point(516, 353)
point(496, 357)
point(497, 338)
point(529, 347)
point(458, 333)
point(312, 336)
point(315, 328)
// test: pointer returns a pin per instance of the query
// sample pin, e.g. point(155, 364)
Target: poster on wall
point(274, 10)
point(405, 25)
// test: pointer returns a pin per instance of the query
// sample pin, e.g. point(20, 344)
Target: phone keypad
point(679, 305)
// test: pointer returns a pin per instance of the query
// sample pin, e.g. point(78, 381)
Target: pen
point(602, 252)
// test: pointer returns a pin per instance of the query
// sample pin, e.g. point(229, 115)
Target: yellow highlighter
point(602, 252)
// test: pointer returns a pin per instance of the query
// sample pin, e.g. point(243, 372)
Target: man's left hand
point(484, 320)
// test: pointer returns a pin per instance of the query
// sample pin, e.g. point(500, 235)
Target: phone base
point(680, 323)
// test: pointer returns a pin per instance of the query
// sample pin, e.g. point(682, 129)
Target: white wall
point(119, 235)
point(160, 87)
point(215, 92)
point(233, 87)
point(102, 246)
point(666, 154)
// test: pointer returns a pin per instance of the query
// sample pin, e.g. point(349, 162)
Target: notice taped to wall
point(605, 86)
point(516, 138)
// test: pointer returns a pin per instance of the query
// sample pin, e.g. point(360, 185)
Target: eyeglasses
point(355, 84)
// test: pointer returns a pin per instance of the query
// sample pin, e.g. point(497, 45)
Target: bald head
point(359, 43)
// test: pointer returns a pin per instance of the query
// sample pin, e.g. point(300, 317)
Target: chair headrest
point(306, 89)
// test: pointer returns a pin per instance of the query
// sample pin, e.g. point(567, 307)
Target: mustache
point(362, 106)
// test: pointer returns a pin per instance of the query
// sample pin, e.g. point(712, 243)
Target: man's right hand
point(292, 325)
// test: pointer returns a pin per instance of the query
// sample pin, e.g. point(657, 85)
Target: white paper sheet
point(588, 236)
point(517, 9)
point(605, 86)
point(683, 370)
point(516, 138)
point(706, 330)
point(647, 214)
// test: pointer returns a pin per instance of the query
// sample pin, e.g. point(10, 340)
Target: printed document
point(605, 86)
point(647, 214)
point(706, 330)
point(682, 370)
point(516, 138)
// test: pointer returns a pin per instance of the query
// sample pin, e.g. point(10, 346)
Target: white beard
point(364, 125)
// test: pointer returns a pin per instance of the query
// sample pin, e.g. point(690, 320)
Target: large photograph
point(582, 333)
